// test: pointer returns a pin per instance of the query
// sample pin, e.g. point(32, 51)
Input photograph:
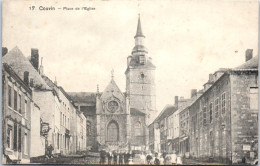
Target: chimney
point(35, 58)
point(26, 77)
point(249, 54)
point(4, 51)
point(129, 58)
point(193, 93)
point(41, 68)
point(211, 78)
point(31, 83)
point(176, 101)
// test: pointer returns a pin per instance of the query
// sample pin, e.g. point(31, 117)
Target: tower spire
point(139, 32)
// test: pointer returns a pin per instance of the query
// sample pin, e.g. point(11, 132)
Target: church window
point(112, 132)
point(138, 129)
point(142, 59)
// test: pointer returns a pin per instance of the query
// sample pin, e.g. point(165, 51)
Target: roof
point(168, 110)
point(139, 32)
point(250, 64)
point(9, 70)
point(19, 63)
point(134, 111)
point(49, 81)
point(83, 97)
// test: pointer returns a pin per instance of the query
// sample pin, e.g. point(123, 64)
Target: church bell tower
point(140, 76)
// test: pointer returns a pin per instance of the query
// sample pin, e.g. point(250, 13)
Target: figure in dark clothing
point(109, 157)
point(115, 157)
point(49, 151)
point(125, 158)
point(121, 158)
point(148, 159)
point(102, 157)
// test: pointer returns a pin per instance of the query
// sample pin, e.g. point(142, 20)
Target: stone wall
point(244, 118)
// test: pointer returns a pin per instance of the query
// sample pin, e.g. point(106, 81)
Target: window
point(112, 132)
point(142, 59)
point(25, 108)
point(58, 140)
point(60, 118)
point(204, 116)
point(9, 96)
point(9, 136)
point(223, 103)
point(88, 128)
point(25, 144)
point(20, 104)
point(15, 100)
point(216, 106)
point(254, 98)
point(138, 129)
point(210, 112)
point(19, 138)
point(15, 137)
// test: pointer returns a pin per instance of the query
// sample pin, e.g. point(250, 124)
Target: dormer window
point(142, 59)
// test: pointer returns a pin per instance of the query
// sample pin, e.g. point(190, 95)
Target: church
point(119, 120)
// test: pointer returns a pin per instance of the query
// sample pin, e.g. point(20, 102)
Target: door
point(112, 132)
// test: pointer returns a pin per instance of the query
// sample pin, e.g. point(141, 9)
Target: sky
point(187, 40)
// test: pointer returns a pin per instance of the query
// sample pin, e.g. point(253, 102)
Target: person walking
point(120, 158)
point(156, 160)
point(115, 157)
point(109, 158)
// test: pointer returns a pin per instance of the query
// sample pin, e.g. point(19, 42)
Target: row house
point(81, 132)
point(57, 111)
point(17, 106)
point(42, 93)
point(223, 121)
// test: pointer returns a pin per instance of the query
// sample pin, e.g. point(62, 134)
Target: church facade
point(116, 119)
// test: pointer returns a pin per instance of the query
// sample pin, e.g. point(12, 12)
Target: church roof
point(134, 111)
point(83, 97)
point(19, 63)
point(139, 32)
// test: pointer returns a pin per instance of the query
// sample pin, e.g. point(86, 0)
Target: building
point(120, 120)
point(81, 142)
point(224, 119)
point(85, 102)
point(17, 104)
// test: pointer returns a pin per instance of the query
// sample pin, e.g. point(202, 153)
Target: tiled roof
point(134, 111)
point(48, 81)
point(19, 63)
point(250, 64)
point(168, 110)
point(83, 97)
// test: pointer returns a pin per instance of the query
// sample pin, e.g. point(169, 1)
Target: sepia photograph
point(133, 82)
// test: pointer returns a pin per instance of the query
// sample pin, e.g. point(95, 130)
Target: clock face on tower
point(112, 106)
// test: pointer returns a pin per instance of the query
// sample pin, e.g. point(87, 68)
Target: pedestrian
point(149, 158)
point(156, 160)
point(115, 157)
point(109, 158)
point(120, 158)
point(102, 157)
point(49, 151)
point(164, 157)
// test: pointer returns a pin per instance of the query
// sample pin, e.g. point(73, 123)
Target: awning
point(184, 138)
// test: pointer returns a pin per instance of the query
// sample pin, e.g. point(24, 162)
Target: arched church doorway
point(112, 131)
